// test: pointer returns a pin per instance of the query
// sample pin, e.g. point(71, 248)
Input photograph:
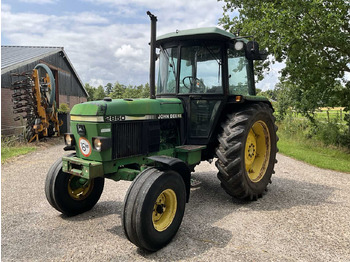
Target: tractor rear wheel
point(69, 194)
point(247, 151)
point(153, 208)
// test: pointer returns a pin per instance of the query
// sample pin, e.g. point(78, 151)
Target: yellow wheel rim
point(257, 151)
point(164, 210)
point(79, 188)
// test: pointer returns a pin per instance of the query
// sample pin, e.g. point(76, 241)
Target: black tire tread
point(229, 152)
point(54, 193)
point(133, 220)
point(129, 205)
point(50, 182)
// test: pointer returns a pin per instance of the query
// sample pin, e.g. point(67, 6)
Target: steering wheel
point(195, 83)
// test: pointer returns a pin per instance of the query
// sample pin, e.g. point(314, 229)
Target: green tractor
point(205, 107)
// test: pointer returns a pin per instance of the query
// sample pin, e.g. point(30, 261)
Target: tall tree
point(146, 91)
point(312, 37)
point(109, 88)
point(99, 93)
point(91, 91)
point(117, 91)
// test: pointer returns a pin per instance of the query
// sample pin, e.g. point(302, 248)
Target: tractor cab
point(206, 68)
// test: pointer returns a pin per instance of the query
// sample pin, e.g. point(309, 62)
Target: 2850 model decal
point(146, 117)
point(115, 118)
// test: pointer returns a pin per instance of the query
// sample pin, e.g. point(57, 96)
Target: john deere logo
point(81, 130)
point(85, 147)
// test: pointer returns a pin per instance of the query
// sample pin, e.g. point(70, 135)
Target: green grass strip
point(9, 152)
point(314, 154)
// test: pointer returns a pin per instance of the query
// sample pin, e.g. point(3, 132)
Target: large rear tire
point(69, 194)
point(153, 208)
point(247, 151)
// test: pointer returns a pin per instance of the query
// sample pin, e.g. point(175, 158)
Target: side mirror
point(252, 51)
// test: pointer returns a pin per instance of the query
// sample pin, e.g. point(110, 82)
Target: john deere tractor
point(205, 107)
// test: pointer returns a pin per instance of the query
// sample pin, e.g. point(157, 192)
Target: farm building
point(18, 59)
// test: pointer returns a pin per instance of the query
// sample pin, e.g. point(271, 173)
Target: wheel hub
point(164, 210)
point(79, 188)
point(250, 152)
point(160, 209)
point(257, 151)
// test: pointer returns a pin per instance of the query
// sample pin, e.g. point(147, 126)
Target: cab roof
point(198, 33)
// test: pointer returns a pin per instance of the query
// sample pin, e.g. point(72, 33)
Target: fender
point(177, 165)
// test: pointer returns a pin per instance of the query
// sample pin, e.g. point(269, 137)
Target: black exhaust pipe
point(152, 71)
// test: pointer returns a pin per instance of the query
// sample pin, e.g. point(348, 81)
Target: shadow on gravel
point(101, 209)
point(209, 204)
point(285, 193)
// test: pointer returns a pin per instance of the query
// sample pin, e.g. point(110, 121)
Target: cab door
point(201, 87)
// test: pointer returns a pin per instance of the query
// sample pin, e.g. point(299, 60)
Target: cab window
point(200, 70)
point(238, 72)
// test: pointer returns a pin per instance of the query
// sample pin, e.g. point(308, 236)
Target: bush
point(332, 133)
point(293, 127)
point(328, 133)
point(63, 108)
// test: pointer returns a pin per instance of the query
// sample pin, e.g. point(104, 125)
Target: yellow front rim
point(79, 188)
point(164, 210)
point(257, 151)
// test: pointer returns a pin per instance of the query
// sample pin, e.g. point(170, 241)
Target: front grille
point(135, 138)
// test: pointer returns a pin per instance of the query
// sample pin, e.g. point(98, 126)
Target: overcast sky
point(106, 40)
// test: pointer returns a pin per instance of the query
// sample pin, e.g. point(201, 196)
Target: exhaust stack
point(152, 71)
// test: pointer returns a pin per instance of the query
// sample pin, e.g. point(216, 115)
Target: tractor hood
point(127, 108)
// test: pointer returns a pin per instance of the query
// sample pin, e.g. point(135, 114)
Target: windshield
point(200, 69)
point(167, 71)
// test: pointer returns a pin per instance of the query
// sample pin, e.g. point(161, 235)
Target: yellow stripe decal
point(118, 118)
point(87, 118)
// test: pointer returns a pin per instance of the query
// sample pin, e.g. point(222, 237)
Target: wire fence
point(326, 115)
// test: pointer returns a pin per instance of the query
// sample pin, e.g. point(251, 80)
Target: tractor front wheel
point(69, 194)
point(153, 208)
point(247, 151)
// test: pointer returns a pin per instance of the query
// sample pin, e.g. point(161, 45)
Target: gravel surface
point(305, 216)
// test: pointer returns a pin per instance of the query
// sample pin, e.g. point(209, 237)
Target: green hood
point(130, 107)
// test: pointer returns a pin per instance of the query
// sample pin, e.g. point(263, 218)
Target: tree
point(311, 37)
point(109, 88)
point(270, 94)
point(258, 91)
point(99, 93)
point(283, 92)
point(117, 91)
point(91, 91)
point(146, 91)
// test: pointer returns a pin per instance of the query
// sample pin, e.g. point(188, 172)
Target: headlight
point(239, 45)
point(69, 139)
point(101, 143)
point(97, 144)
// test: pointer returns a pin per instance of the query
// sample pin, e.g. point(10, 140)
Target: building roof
point(205, 32)
point(13, 57)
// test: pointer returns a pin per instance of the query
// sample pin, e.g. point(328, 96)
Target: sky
point(107, 40)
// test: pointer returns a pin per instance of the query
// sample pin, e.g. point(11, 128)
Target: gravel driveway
point(305, 216)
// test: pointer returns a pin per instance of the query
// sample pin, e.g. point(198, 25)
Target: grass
point(314, 153)
point(7, 152)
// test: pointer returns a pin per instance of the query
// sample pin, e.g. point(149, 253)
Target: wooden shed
point(18, 59)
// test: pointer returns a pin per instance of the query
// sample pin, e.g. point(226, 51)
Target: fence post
point(328, 115)
point(341, 115)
